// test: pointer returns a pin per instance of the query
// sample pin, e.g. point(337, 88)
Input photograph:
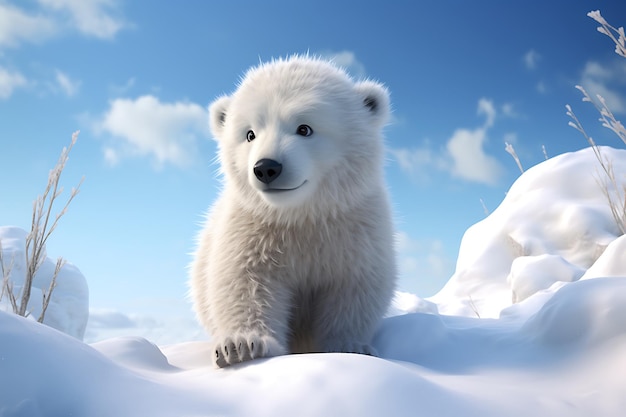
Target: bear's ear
point(375, 99)
point(218, 111)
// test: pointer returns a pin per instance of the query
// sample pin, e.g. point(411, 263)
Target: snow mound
point(530, 274)
point(44, 372)
point(612, 262)
point(134, 352)
point(586, 312)
point(68, 310)
point(553, 225)
point(567, 359)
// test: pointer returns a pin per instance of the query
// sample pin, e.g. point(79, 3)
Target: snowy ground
point(552, 247)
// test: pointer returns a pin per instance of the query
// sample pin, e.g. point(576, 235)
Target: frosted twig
point(42, 226)
point(7, 285)
point(472, 305)
point(607, 118)
point(617, 35)
point(485, 209)
point(511, 150)
point(615, 194)
point(53, 283)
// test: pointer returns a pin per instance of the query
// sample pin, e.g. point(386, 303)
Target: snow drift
point(546, 272)
point(68, 310)
point(552, 226)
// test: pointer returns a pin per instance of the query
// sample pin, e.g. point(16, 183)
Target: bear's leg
point(251, 324)
point(346, 318)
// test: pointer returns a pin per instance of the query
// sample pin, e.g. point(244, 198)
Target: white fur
point(306, 270)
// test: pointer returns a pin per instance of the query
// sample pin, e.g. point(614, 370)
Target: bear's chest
point(303, 252)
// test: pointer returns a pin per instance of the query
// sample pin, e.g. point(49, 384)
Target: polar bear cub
point(297, 254)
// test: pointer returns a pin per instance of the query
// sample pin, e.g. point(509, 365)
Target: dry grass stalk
point(614, 191)
point(611, 188)
point(53, 283)
point(511, 150)
point(7, 285)
point(617, 35)
point(42, 226)
point(472, 305)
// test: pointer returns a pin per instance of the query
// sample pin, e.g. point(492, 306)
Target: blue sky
point(136, 77)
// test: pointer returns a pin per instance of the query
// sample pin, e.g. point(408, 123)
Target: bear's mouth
point(282, 190)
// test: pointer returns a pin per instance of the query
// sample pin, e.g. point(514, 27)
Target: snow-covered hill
point(546, 272)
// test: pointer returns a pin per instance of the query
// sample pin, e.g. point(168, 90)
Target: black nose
point(267, 170)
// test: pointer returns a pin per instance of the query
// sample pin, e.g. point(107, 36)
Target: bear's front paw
point(351, 347)
point(240, 348)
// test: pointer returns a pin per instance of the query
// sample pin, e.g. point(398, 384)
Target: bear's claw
point(237, 349)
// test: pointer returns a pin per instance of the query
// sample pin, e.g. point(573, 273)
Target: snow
point(533, 322)
point(556, 208)
point(68, 310)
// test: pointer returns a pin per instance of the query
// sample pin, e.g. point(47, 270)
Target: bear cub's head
point(300, 134)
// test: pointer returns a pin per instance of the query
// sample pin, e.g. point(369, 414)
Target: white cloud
point(91, 17)
point(420, 162)
point(348, 61)
point(509, 110)
point(107, 323)
point(531, 59)
point(466, 147)
point(541, 87)
point(122, 89)
point(470, 161)
point(105, 318)
point(97, 18)
point(167, 132)
point(464, 155)
point(604, 80)
point(422, 263)
point(9, 81)
point(408, 160)
point(487, 108)
point(68, 86)
point(111, 156)
point(17, 26)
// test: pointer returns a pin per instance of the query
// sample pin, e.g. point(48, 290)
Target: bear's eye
point(250, 136)
point(304, 130)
